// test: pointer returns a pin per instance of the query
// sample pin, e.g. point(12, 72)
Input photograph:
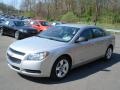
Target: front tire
point(17, 35)
point(60, 68)
point(1, 32)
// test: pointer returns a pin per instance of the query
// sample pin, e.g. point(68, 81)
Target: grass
point(104, 25)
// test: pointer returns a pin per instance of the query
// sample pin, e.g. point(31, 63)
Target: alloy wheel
point(62, 68)
point(109, 53)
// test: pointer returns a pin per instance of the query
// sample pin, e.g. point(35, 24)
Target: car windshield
point(59, 33)
point(44, 23)
point(33, 23)
point(19, 23)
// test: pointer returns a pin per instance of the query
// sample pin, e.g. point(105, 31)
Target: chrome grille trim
point(16, 52)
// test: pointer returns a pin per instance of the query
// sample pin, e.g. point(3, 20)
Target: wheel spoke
point(57, 68)
point(64, 70)
point(109, 53)
point(61, 63)
point(65, 65)
point(59, 74)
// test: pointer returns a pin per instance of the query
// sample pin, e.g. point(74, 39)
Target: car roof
point(78, 25)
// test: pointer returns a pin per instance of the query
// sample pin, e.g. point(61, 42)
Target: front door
point(84, 50)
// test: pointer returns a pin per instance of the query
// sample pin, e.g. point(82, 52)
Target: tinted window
point(87, 34)
point(19, 23)
point(34, 23)
point(44, 23)
point(11, 24)
point(98, 32)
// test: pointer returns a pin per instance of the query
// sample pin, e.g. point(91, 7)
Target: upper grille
point(16, 52)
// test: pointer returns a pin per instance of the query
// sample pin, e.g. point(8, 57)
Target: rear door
point(100, 39)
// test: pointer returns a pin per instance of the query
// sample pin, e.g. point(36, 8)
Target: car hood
point(35, 44)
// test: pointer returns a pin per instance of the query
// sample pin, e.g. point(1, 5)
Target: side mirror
point(81, 39)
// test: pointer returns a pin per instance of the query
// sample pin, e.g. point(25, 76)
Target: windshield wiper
point(45, 37)
point(55, 39)
point(39, 36)
point(50, 38)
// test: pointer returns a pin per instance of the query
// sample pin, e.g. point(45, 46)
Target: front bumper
point(31, 68)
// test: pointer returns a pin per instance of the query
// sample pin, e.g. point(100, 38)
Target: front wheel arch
point(62, 56)
point(1, 31)
point(19, 35)
point(67, 56)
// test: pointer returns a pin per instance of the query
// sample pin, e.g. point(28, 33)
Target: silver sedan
point(54, 52)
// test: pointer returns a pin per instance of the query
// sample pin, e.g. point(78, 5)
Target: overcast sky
point(15, 3)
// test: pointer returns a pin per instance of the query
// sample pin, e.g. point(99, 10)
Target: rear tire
point(60, 68)
point(108, 54)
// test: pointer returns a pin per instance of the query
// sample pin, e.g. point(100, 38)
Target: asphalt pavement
point(98, 75)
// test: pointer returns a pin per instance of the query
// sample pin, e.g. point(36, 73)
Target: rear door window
point(98, 32)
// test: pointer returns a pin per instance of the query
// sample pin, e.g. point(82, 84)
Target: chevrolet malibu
point(53, 53)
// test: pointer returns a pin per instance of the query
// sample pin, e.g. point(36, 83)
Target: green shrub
point(70, 17)
point(116, 18)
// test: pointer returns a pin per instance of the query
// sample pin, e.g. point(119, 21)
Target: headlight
point(37, 56)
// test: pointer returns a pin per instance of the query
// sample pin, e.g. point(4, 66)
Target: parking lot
point(98, 75)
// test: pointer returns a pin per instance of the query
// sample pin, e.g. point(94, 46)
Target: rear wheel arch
point(110, 46)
